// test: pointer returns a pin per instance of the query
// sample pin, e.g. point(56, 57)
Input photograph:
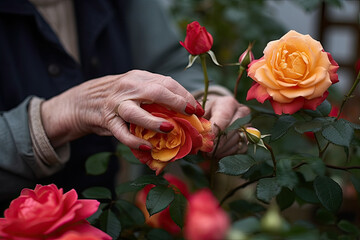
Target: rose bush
point(204, 219)
point(162, 219)
point(190, 134)
point(197, 40)
point(294, 73)
point(47, 213)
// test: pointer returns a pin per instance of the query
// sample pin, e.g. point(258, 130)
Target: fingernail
point(166, 127)
point(189, 109)
point(199, 110)
point(144, 147)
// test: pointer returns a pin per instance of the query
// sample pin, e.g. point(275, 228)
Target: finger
point(227, 143)
point(120, 130)
point(161, 95)
point(131, 112)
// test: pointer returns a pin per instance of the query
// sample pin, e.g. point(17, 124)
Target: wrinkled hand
point(222, 111)
point(105, 105)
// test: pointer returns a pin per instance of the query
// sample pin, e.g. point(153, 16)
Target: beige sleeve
point(50, 160)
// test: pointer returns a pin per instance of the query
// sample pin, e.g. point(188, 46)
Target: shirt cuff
point(44, 152)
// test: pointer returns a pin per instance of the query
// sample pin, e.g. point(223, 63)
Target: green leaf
point(125, 153)
point(244, 207)
point(323, 109)
point(325, 217)
point(285, 198)
point(314, 125)
point(247, 225)
point(129, 214)
point(285, 176)
point(97, 193)
point(281, 126)
point(110, 224)
point(236, 165)
point(348, 227)
point(195, 174)
point(178, 209)
point(127, 187)
point(339, 133)
point(328, 192)
point(158, 199)
point(306, 193)
point(93, 218)
point(97, 164)
point(158, 234)
point(266, 189)
point(149, 179)
point(238, 123)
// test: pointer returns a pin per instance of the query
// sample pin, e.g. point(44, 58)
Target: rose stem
point(213, 163)
point(357, 80)
point(206, 79)
point(241, 71)
point(272, 156)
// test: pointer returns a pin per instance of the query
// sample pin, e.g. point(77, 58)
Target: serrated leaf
point(110, 224)
point(323, 109)
point(125, 153)
point(328, 192)
point(285, 176)
point(97, 193)
point(285, 198)
point(129, 214)
point(348, 227)
point(159, 198)
point(149, 179)
point(97, 164)
point(127, 187)
point(309, 126)
point(178, 209)
point(266, 189)
point(235, 165)
point(339, 133)
point(238, 123)
point(281, 126)
point(306, 193)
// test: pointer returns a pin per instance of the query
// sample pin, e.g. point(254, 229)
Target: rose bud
point(246, 57)
point(197, 40)
point(253, 135)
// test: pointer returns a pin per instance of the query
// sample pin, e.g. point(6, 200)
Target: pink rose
point(205, 220)
point(162, 219)
point(190, 134)
point(294, 73)
point(47, 213)
point(197, 40)
point(78, 236)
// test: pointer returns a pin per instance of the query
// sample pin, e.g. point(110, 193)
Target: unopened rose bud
point(253, 135)
point(246, 57)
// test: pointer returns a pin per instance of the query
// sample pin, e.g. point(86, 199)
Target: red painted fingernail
point(199, 110)
point(166, 127)
point(189, 109)
point(144, 147)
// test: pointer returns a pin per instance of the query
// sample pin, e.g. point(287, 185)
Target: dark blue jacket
point(114, 37)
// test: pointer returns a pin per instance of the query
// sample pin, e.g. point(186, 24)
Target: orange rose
point(294, 73)
point(190, 134)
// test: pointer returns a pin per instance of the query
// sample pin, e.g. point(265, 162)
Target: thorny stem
point(206, 79)
point(241, 71)
point(272, 157)
point(213, 167)
point(347, 96)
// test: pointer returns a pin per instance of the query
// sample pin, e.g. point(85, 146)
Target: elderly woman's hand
point(222, 111)
point(105, 105)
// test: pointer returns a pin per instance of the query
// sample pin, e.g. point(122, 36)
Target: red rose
point(197, 40)
point(294, 73)
point(162, 219)
point(190, 134)
point(47, 213)
point(204, 219)
point(78, 236)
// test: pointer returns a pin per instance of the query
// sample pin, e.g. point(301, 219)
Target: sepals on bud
point(253, 135)
point(247, 56)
